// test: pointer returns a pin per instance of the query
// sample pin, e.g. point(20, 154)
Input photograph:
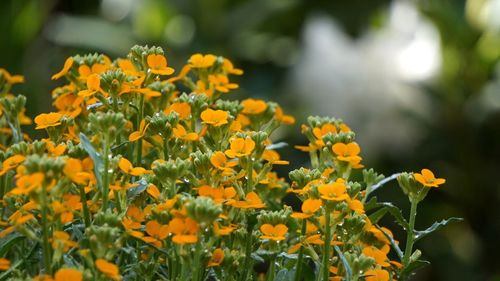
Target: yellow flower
point(93, 86)
point(221, 83)
point(11, 79)
point(11, 162)
point(184, 230)
point(128, 168)
point(216, 258)
point(333, 192)
point(273, 232)
point(180, 132)
point(4, 264)
point(85, 71)
point(219, 161)
point(228, 67)
point(27, 183)
point(139, 134)
point(158, 65)
point(202, 61)
point(273, 157)
point(309, 207)
point(240, 147)
point(109, 269)
point(379, 256)
point(253, 106)
point(181, 108)
point(348, 153)
point(252, 201)
point(67, 65)
point(214, 117)
point(46, 120)
point(426, 178)
point(376, 275)
point(282, 117)
point(68, 274)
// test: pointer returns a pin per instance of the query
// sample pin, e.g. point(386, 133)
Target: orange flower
point(252, 200)
point(153, 191)
point(348, 153)
point(4, 264)
point(376, 275)
point(73, 169)
point(273, 157)
point(184, 230)
point(68, 274)
point(271, 232)
point(180, 132)
point(240, 147)
point(224, 230)
point(319, 133)
point(157, 232)
point(85, 71)
point(333, 192)
point(379, 256)
point(219, 161)
point(67, 65)
point(109, 269)
point(221, 83)
point(309, 207)
point(216, 258)
point(139, 134)
point(202, 61)
point(11, 79)
point(158, 65)
point(282, 117)
point(356, 206)
point(218, 194)
point(214, 117)
point(314, 239)
point(181, 108)
point(62, 240)
point(228, 67)
point(253, 106)
point(128, 168)
point(426, 178)
point(27, 183)
point(11, 162)
point(93, 86)
point(46, 120)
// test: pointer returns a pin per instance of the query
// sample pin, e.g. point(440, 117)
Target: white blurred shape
point(370, 82)
point(116, 10)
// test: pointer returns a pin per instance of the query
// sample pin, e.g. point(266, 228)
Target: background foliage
point(451, 112)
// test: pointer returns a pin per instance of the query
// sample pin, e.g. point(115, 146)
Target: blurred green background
point(419, 81)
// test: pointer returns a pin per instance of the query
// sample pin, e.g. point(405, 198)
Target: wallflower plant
point(148, 173)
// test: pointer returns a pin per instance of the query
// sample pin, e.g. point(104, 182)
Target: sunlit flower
point(93, 86)
point(181, 108)
point(46, 120)
point(214, 117)
point(252, 200)
point(273, 232)
point(216, 258)
point(309, 207)
point(347, 152)
point(67, 65)
point(109, 269)
point(376, 275)
point(219, 161)
point(379, 256)
point(240, 147)
point(128, 168)
point(426, 178)
point(180, 132)
point(253, 106)
point(334, 191)
point(158, 65)
point(221, 83)
point(202, 61)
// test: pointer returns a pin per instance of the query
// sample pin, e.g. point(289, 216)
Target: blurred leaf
point(411, 268)
point(96, 157)
point(9, 242)
point(136, 190)
point(435, 226)
point(345, 263)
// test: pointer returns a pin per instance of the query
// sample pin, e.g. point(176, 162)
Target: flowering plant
point(146, 175)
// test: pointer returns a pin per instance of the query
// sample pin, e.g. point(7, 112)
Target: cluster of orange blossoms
point(149, 174)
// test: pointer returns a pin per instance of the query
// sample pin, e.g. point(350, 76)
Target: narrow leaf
point(435, 226)
point(96, 157)
point(408, 271)
point(9, 243)
point(345, 263)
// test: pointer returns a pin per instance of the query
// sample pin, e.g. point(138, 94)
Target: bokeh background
point(419, 81)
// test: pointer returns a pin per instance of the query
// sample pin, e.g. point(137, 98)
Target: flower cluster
point(148, 173)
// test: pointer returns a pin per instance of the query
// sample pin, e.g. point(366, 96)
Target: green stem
point(272, 268)
point(326, 251)
point(140, 115)
point(248, 252)
point(45, 234)
point(249, 173)
point(197, 268)
point(410, 233)
point(105, 175)
point(298, 272)
point(86, 212)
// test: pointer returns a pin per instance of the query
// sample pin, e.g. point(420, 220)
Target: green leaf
point(393, 244)
point(9, 243)
point(371, 204)
point(96, 157)
point(435, 226)
point(282, 275)
point(411, 268)
point(136, 190)
point(393, 210)
point(4, 275)
point(345, 263)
